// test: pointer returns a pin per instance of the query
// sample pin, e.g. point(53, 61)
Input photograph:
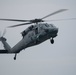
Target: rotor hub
point(36, 20)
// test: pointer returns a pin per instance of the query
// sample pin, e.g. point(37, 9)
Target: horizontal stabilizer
point(3, 51)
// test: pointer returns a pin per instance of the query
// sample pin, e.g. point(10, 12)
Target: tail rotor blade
point(0, 41)
point(4, 32)
point(0, 33)
point(1, 45)
point(0, 37)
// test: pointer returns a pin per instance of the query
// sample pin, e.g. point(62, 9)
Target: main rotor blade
point(62, 19)
point(56, 12)
point(19, 25)
point(15, 20)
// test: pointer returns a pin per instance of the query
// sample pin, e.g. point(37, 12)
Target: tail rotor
point(2, 37)
point(0, 41)
point(4, 32)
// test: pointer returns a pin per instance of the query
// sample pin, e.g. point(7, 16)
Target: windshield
point(47, 25)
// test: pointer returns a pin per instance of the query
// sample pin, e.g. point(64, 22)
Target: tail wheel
point(15, 56)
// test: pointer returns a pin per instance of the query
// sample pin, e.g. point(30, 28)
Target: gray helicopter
point(33, 35)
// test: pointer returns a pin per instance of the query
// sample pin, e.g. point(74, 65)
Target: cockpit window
point(51, 25)
point(46, 25)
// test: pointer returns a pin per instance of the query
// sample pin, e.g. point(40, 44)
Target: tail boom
point(3, 51)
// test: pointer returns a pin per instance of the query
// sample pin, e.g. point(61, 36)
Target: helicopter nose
point(56, 30)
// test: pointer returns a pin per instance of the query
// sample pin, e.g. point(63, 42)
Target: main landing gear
point(15, 56)
point(52, 41)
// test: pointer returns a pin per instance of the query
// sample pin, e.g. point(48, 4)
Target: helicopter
point(31, 36)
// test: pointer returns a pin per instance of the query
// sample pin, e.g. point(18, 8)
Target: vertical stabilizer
point(5, 44)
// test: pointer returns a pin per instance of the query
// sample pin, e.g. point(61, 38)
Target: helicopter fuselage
point(36, 35)
point(33, 35)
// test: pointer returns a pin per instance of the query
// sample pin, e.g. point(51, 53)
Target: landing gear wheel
point(52, 41)
point(15, 56)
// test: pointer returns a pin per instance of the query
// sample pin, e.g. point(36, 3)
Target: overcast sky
point(44, 59)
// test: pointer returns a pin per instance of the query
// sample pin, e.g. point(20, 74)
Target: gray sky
point(44, 59)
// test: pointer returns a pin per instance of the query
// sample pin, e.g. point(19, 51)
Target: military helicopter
point(33, 35)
